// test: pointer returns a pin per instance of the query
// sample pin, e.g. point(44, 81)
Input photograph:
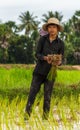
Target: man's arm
point(39, 51)
point(62, 51)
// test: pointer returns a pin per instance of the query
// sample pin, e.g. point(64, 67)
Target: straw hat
point(53, 21)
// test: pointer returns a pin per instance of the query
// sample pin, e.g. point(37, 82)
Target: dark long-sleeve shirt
point(44, 48)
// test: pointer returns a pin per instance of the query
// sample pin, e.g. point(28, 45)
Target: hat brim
point(60, 27)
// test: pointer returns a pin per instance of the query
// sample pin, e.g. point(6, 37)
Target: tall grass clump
point(68, 77)
point(15, 81)
point(15, 77)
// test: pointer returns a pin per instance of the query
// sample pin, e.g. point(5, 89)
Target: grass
point(65, 103)
point(68, 77)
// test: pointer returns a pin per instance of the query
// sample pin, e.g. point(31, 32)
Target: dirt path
point(76, 67)
point(64, 67)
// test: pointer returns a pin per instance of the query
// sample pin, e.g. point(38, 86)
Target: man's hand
point(45, 58)
point(53, 59)
point(48, 59)
point(57, 63)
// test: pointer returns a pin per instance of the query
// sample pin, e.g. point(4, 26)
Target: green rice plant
point(15, 77)
point(14, 115)
point(65, 103)
point(53, 59)
point(68, 77)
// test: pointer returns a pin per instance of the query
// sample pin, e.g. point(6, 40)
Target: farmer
point(47, 44)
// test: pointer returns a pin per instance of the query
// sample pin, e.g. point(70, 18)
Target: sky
point(12, 9)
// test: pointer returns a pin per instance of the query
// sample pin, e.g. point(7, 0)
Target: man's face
point(52, 29)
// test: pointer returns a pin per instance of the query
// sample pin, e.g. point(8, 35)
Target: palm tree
point(5, 34)
point(58, 15)
point(71, 36)
point(76, 21)
point(51, 14)
point(28, 22)
point(47, 16)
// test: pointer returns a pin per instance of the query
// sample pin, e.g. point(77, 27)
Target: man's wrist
point(45, 57)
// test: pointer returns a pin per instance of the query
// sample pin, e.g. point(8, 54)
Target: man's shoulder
point(43, 38)
point(60, 41)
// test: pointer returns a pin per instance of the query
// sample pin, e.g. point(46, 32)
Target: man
point(48, 44)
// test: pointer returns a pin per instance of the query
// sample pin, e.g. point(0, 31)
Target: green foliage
point(52, 73)
point(21, 50)
point(72, 40)
point(65, 103)
point(1, 55)
point(16, 48)
point(16, 81)
point(51, 14)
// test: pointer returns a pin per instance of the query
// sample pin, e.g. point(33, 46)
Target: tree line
point(20, 48)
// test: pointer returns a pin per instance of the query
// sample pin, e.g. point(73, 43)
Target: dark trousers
point(37, 81)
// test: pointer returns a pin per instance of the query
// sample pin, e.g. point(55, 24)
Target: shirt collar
point(47, 36)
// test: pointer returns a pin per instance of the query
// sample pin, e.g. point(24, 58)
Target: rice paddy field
point(65, 103)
